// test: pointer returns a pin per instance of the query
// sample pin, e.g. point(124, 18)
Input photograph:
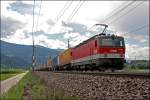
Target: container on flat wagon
point(65, 57)
point(49, 63)
point(55, 62)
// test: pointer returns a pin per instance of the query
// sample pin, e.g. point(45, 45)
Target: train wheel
point(112, 70)
point(101, 69)
point(86, 68)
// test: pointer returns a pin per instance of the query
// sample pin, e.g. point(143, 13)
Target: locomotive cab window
point(112, 42)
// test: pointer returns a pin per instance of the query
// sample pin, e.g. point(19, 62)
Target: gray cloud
point(83, 30)
point(50, 22)
point(39, 32)
point(127, 24)
point(76, 27)
point(136, 18)
point(21, 7)
point(26, 34)
point(9, 26)
point(44, 42)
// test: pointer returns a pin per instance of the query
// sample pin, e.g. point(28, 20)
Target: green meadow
point(7, 73)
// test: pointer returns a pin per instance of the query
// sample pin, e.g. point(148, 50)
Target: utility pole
point(33, 57)
point(68, 44)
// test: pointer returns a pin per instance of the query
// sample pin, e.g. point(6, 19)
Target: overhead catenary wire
point(137, 29)
point(61, 13)
point(116, 19)
point(38, 16)
point(73, 11)
point(119, 11)
point(115, 13)
point(38, 22)
point(76, 9)
point(63, 10)
point(57, 16)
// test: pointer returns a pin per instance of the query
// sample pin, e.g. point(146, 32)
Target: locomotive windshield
point(112, 42)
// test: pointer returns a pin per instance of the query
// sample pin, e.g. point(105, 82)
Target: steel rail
point(118, 74)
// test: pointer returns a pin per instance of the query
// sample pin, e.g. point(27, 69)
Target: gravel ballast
point(91, 87)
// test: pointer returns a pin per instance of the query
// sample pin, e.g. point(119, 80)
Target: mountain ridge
point(24, 53)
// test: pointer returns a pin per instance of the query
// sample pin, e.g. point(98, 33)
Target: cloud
point(37, 33)
point(76, 27)
point(19, 39)
point(134, 19)
point(137, 52)
point(71, 35)
point(75, 38)
point(137, 37)
point(21, 7)
point(42, 40)
point(141, 38)
point(50, 43)
point(50, 22)
point(9, 26)
point(77, 34)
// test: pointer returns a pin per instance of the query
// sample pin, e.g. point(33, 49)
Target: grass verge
point(38, 91)
point(16, 91)
point(135, 70)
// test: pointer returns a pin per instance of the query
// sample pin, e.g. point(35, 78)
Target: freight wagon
point(65, 59)
point(45, 66)
point(49, 64)
point(55, 63)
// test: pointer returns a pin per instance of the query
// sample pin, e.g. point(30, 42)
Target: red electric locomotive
point(100, 52)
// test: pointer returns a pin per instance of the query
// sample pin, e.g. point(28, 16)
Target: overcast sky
point(60, 21)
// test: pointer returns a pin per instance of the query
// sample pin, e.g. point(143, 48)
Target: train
point(100, 52)
point(46, 66)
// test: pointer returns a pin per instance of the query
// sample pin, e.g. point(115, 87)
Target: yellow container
point(65, 57)
point(49, 62)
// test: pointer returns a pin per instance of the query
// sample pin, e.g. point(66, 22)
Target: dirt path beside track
point(8, 83)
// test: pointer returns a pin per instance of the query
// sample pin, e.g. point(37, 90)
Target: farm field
point(134, 70)
point(137, 70)
point(7, 73)
point(6, 76)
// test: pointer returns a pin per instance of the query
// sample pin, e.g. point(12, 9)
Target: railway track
point(116, 74)
point(90, 85)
